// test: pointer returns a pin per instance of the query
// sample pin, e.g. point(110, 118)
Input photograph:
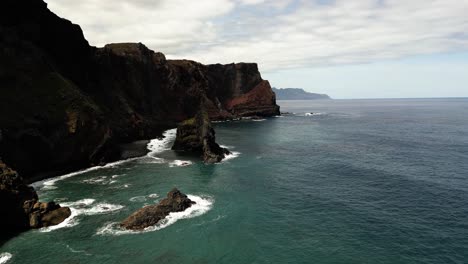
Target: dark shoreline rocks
point(21, 209)
point(196, 135)
point(152, 214)
point(66, 105)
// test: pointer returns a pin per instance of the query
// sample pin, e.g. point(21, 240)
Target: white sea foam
point(96, 180)
point(83, 207)
point(80, 203)
point(231, 155)
point(155, 146)
point(201, 206)
point(78, 251)
point(101, 180)
point(153, 195)
point(158, 145)
point(258, 120)
point(142, 198)
point(49, 183)
point(5, 257)
point(138, 199)
point(180, 163)
point(313, 114)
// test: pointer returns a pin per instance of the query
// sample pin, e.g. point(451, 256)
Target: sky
point(344, 48)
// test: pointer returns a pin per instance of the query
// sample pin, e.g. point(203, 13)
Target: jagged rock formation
point(21, 209)
point(297, 94)
point(152, 214)
point(196, 135)
point(66, 105)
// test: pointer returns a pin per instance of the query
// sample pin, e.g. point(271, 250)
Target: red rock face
point(260, 101)
point(65, 105)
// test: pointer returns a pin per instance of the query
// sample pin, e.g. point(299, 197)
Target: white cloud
point(277, 34)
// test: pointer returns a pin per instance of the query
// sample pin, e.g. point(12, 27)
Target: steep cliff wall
point(66, 105)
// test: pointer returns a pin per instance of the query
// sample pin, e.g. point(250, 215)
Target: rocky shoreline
point(150, 215)
point(66, 105)
point(21, 207)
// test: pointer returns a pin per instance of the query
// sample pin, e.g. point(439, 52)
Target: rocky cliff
point(21, 209)
point(196, 135)
point(65, 105)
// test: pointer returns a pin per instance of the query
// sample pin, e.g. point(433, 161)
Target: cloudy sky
point(345, 48)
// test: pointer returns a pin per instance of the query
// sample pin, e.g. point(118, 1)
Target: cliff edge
point(65, 105)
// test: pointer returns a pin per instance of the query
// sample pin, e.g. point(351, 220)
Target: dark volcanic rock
point(152, 214)
point(196, 135)
point(20, 207)
point(65, 105)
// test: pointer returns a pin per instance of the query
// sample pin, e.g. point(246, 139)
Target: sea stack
point(152, 214)
point(196, 135)
point(21, 209)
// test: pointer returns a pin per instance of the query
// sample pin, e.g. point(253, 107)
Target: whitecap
point(230, 156)
point(5, 257)
point(180, 163)
point(201, 206)
point(83, 207)
point(78, 251)
point(138, 199)
point(95, 180)
point(258, 120)
point(80, 203)
point(159, 145)
point(102, 208)
point(313, 114)
point(142, 198)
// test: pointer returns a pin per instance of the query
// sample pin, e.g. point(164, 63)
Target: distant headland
point(297, 94)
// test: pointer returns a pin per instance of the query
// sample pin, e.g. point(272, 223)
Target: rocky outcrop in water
point(65, 105)
point(196, 135)
point(152, 214)
point(21, 209)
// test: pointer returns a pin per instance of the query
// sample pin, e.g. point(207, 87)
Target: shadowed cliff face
point(196, 135)
point(65, 105)
point(21, 209)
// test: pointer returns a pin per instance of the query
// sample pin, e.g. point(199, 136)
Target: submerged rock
point(198, 136)
point(152, 214)
point(21, 209)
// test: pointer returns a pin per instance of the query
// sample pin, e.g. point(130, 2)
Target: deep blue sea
point(339, 181)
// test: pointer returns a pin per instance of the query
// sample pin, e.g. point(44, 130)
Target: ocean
point(337, 181)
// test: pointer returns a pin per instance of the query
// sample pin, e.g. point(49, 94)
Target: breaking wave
point(83, 207)
point(201, 206)
point(180, 163)
point(155, 146)
point(5, 257)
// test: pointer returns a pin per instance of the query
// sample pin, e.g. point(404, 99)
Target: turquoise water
point(359, 181)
